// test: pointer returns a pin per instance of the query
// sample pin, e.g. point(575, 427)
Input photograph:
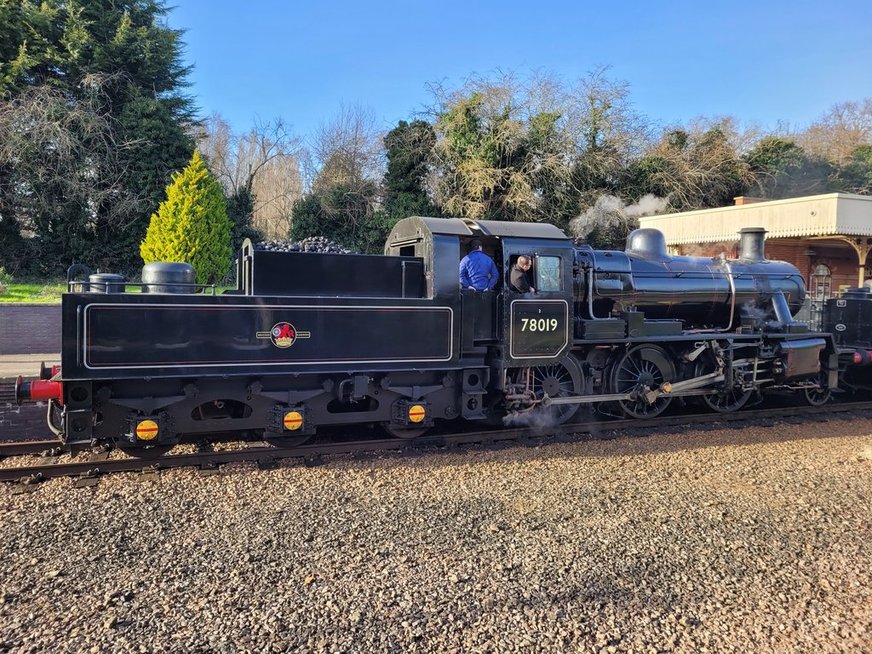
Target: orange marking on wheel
point(293, 420)
point(146, 430)
point(417, 413)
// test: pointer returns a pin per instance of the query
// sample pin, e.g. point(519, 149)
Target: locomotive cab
point(508, 332)
point(537, 324)
point(487, 316)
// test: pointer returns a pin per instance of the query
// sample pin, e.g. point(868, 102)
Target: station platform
point(26, 365)
point(26, 422)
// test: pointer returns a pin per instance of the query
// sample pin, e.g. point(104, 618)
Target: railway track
point(88, 467)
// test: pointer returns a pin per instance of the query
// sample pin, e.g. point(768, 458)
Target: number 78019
point(538, 324)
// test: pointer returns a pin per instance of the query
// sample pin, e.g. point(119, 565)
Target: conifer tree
point(409, 150)
point(120, 62)
point(191, 225)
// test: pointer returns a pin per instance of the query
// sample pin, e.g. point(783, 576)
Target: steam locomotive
point(311, 340)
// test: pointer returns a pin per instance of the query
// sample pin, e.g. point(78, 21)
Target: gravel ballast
point(741, 540)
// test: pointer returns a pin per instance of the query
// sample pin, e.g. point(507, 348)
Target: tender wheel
point(643, 368)
point(285, 439)
point(727, 401)
point(563, 379)
point(405, 433)
point(146, 451)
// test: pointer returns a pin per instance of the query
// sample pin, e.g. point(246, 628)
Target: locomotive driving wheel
point(641, 369)
point(725, 401)
point(820, 394)
point(564, 379)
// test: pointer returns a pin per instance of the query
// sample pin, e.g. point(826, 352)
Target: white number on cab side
point(538, 324)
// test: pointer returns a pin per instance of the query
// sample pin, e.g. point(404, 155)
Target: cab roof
point(478, 228)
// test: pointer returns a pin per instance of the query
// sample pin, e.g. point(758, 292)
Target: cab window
point(548, 274)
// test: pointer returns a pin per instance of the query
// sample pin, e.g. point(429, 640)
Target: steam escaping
point(610, 212)
point(539, 421)
point(752, 311)
point(707, 249)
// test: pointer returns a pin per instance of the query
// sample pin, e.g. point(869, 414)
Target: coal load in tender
point(320, 244)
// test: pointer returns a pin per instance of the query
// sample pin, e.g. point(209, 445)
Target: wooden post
point(861, 247)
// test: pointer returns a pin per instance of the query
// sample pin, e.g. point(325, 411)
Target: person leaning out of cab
point(519, 279)
point(477, 270)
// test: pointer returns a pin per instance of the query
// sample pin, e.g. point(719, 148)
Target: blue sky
point(761, 61)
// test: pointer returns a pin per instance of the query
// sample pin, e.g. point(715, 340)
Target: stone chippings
point(320, 244)
point(754, 540)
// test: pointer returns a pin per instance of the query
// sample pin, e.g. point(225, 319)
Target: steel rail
point(24, 448)
point(212, 459)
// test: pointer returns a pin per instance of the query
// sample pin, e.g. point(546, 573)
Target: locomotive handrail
point(590, 291)
point(142, 286)
point(693, 274)
point(733, 298)
point(75, 269)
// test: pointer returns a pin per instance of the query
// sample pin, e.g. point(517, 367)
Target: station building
point(828, 237)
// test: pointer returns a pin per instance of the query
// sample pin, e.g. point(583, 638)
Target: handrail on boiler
point(728, 274)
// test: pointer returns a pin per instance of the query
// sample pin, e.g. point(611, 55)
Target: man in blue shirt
point(477, 270)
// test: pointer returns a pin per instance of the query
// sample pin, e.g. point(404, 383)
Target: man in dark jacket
point(477, 270)
point(518, 279)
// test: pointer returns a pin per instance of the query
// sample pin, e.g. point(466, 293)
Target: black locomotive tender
point(309, 340)
point(849, 319)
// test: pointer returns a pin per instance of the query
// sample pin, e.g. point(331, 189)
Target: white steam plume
point(609, 211)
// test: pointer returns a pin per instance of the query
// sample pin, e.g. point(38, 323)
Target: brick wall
point(23, 423)
point(30, 328)
point(842, 262)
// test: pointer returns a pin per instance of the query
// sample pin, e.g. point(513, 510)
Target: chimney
point(751, 244)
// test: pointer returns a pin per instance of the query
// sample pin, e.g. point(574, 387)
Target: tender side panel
point(194, 336)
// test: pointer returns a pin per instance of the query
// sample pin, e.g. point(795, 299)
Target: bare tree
point(276, 187)
point(62, 178)
point(347, 150)
point(601, 118)
point(265, 161)
point(838, 133)
point(347, 159)
point(217, 144)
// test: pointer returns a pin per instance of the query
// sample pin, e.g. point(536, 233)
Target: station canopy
point(816, 216)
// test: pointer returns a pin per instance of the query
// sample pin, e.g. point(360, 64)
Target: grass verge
point(45, 292)
point(48, 292)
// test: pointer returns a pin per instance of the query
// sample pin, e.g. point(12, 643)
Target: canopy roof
point(833, 214)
